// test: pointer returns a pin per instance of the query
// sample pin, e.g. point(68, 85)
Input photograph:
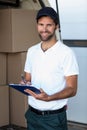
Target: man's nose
point(45, 28)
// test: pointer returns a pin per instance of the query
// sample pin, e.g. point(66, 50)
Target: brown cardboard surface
point(4, 105)
point(15, 66)
point(18, 107)
point(2, 69)
point(18, 101)
point(31, 4)
point(17, 30)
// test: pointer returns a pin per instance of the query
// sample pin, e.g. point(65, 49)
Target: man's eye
point(40, 24)
point(49, 25)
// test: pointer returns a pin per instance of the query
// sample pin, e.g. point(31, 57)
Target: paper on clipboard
point(21, 88)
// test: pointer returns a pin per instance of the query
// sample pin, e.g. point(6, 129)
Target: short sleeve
point(70, 65)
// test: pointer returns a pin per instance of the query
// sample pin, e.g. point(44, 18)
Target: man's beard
point(47, 38)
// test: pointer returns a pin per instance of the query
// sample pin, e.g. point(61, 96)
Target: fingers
point(30, 92)
point(22, 82)
point(42, 96)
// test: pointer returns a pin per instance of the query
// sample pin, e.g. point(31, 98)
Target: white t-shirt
point(48, 70)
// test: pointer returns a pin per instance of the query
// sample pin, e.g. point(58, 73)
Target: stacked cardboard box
point(18, 107)
point(4, 105)
point(17, 34)
point(15, 66)
point(2, 69)
point(4, 92)
point(17, 30)
point(18, 101)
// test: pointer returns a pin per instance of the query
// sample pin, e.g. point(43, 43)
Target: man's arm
point(69, 91)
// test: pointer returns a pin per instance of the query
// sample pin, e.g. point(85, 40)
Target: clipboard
point(21, 88)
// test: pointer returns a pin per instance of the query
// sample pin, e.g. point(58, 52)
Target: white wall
point(77, 106)
point(73, 18)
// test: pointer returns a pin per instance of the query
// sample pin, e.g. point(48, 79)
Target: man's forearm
point(66, 93)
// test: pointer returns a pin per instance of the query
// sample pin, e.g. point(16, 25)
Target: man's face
point(46, 28)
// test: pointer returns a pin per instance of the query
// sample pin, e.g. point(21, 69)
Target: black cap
point(48, 11)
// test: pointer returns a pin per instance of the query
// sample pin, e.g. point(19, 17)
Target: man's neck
point(47, 44)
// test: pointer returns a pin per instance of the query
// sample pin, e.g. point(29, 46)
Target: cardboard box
point(18, 101)
point(4, 105)
point(17, 30)
point(31, 4)
point(15, 66)
point(18, 107)
point(2, 69)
